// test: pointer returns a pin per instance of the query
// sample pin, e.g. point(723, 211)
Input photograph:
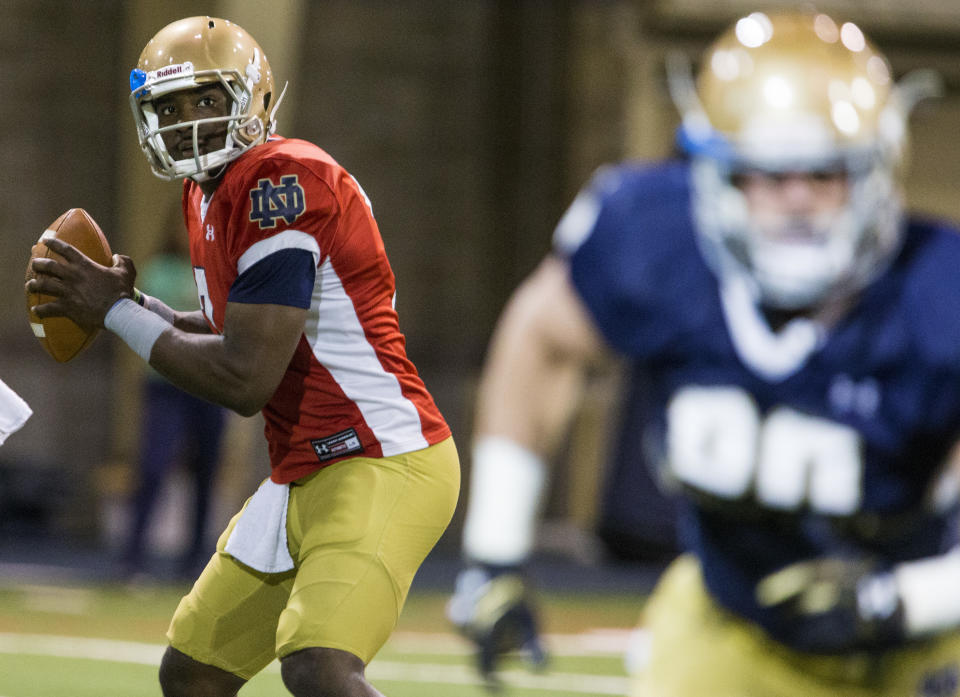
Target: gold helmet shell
point(794, 92)
point(797, 85)
point(192, 52)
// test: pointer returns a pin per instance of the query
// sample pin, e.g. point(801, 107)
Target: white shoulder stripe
point(288, 239)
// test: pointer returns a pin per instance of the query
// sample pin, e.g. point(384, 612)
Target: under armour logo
point(270, 203)
point(850, 396)
point(209, 233)
point(338, 445)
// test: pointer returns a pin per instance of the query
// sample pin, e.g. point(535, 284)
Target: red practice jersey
point(350, 389)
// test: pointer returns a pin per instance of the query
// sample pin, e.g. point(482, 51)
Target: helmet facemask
point(796, 261)
point(241, 128)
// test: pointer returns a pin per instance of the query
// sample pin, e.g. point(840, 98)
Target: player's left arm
point(192, 321)
point(239, 369)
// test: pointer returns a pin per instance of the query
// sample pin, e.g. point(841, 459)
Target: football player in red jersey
point(298, 323)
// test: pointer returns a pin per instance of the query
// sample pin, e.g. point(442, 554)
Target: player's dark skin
point(240, 369)
point(208, 101)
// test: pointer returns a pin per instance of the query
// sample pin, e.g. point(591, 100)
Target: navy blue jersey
point(824, 442)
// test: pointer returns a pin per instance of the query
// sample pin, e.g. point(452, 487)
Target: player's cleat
point(492, 607)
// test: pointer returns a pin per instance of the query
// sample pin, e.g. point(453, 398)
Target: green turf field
point(91, 641)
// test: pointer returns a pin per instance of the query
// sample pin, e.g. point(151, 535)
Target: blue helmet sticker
point(137, 80)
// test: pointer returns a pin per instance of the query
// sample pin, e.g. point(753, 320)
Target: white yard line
point(81, 647)
point(149, 654)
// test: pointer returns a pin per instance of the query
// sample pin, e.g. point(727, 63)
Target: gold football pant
point(357, 531)
point(700, 649)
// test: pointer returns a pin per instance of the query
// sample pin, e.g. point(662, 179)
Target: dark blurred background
point(470, 124)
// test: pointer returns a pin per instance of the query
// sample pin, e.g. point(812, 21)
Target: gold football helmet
point(795, 93)
point(189, 53)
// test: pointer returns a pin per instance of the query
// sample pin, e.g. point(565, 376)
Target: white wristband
point(506, 485)
point(137, 326)
point(930, 591)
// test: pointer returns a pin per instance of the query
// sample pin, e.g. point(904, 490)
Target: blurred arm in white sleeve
point(542, 350)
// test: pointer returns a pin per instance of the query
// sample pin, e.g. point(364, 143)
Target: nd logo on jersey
point(270, 202)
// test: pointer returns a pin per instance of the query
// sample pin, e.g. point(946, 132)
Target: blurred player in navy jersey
point(801, 336)
point(297, 320)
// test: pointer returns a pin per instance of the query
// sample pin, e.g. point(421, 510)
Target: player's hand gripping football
point(832, 605)
point(84, 290)
point(492, 607)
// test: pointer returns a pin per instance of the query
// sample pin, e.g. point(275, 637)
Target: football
point(61, 337)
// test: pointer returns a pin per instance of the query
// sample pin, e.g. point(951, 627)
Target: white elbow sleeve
point(506, 486)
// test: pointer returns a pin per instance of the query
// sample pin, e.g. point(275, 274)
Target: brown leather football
point(60, 336)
